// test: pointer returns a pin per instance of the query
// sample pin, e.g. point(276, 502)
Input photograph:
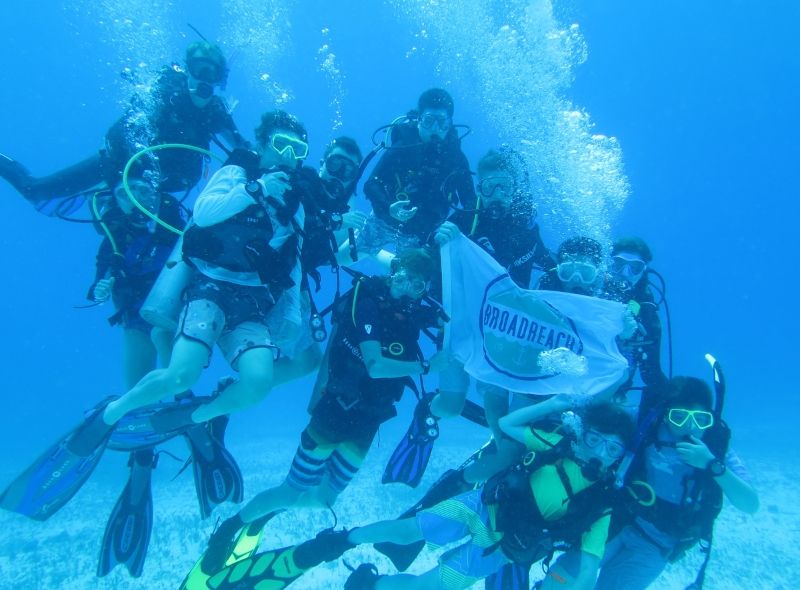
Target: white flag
point(534, 342)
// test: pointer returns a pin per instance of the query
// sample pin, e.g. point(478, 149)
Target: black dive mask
point(335, 188)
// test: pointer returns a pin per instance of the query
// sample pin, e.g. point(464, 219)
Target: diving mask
point(283, 143)
point(577, 272)
point(341, 167)
point(703, 419)
point(629, 268)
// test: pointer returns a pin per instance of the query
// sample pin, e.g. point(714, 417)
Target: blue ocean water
point(701, 98)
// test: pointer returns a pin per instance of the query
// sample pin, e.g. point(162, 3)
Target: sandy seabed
point(761, 551)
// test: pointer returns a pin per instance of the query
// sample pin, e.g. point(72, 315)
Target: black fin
point(127, 534)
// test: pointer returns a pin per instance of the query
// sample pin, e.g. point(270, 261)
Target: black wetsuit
point(136, 262)
point(433, 175)
point(513, 241)
point(643, 349)
point(353, 404)
point(171, 118)
point(323, 216)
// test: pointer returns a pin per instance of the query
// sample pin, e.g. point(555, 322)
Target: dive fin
point(57, 475)
point(409, 460)
point(276, 569)
point(154, 424)
point(217, 477)
point(128, 530)
point(226, 548)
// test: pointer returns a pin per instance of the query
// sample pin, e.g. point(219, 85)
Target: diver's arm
point(558, 577)
point(377, 188)
point(231, 136)
point(741, 494)
point(223, 197)
point(381, 367)
point(516, 424)
point(650, 366)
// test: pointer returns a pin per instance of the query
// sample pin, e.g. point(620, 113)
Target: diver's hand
point(446, 232)
point(400, 213)
point(354, 219)
point(275, 184)
point(102, 290)
point(694, 453)
point(629, 325)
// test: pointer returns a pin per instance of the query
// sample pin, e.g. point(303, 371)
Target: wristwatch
point(426, 366)
point(254, 189)
point(716, 467)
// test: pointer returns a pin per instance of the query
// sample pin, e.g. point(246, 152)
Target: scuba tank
point(165, 300)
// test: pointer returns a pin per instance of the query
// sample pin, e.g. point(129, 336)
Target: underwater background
point(673, 121)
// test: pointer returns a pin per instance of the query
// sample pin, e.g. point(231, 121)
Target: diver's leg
point(189, 358)
point(303, 363)
point(277, 498)
point(255, 381)
point(162, 341)
point(72, 180)
point(305, 476)
point(633, 562)
point(138, 355)
point(342, 466)
point(507, 451)
point(453, 386)
point(402, 532)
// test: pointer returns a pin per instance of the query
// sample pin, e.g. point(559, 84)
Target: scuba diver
point(579, 262)
point(627, 280)
point(504, 221)
point(682, 454)
point(244, 245)
point(133, 252)
point(418, 179)
point(373, 355)
point(130, 257)
point(504, 225)
point(181, 108)
point(559, 495)
point(328, 220)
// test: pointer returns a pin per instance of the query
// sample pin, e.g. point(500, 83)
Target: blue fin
point(409, 460)
point(57, 475)
point(128, 530)
point(154, 424)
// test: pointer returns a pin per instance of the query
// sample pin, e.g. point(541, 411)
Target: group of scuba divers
point(618, 485)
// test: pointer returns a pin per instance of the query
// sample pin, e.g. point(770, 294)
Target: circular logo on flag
point(518, 325)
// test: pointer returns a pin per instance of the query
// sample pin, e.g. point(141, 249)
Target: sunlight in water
point(520, 61)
